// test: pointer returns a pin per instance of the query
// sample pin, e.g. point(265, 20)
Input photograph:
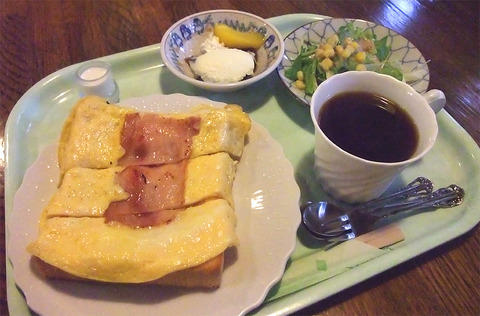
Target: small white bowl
point(183, 39)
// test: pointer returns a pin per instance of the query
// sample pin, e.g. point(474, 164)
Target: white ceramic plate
point(402, 50)
point(266, 228)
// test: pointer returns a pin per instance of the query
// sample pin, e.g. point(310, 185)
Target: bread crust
point(207, 275)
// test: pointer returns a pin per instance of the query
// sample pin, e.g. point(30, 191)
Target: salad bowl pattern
point(403, 52)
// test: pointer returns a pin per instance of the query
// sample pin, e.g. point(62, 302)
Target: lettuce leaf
point(389, 69)
point(383, 50)
point(348, 30)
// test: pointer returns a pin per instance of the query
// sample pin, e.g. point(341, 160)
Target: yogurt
point(224, 65)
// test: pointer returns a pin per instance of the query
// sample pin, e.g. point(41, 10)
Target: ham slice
point(156, 192)
point(151, 139)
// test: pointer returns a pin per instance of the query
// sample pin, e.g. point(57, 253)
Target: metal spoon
point(326, 221)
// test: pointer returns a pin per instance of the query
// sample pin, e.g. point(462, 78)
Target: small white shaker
point(95, 78)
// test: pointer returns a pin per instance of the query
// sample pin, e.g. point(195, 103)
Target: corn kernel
point(328, 53)
point(355, 45)
point(300, 75)
point(339, 49)
point(360, 57)
point(350, 48)
point(333, 40)
point(361, 67)
point(300, 85)
point(329, 74)
point(326, 64)
point(346, 53)
point(327, 46)
point(319, 53)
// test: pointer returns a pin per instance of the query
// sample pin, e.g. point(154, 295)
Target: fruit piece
point(232, 38)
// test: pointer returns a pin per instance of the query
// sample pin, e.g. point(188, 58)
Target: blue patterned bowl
point(402, 50)
point(183, 39)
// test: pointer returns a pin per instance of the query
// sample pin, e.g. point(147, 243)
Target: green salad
point(351, 48)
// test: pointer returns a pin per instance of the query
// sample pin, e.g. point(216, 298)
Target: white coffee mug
point(353, 179)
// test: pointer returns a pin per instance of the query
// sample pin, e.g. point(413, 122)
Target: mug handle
point(436, 99)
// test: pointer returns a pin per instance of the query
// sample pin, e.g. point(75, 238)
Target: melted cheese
point(88, 248)
point(86, 192)
point(210, 176)
point(91, 135)
point(89, 192)
point(222, 129)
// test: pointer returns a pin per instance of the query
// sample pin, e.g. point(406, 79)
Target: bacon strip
point(151, 139)
point(155, 194)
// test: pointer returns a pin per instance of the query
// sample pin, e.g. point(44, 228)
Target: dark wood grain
point(40, 37)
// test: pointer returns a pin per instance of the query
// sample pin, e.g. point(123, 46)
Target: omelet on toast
point(144, 197)
point(87, 247)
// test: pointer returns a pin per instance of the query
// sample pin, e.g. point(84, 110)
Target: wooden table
point(40, 37)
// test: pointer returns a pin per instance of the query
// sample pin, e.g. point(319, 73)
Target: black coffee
point(369, 126)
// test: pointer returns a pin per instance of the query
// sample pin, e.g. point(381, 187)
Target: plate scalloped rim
point(256, 265)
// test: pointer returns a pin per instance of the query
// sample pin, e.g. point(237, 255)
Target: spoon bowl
point(327, 221)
